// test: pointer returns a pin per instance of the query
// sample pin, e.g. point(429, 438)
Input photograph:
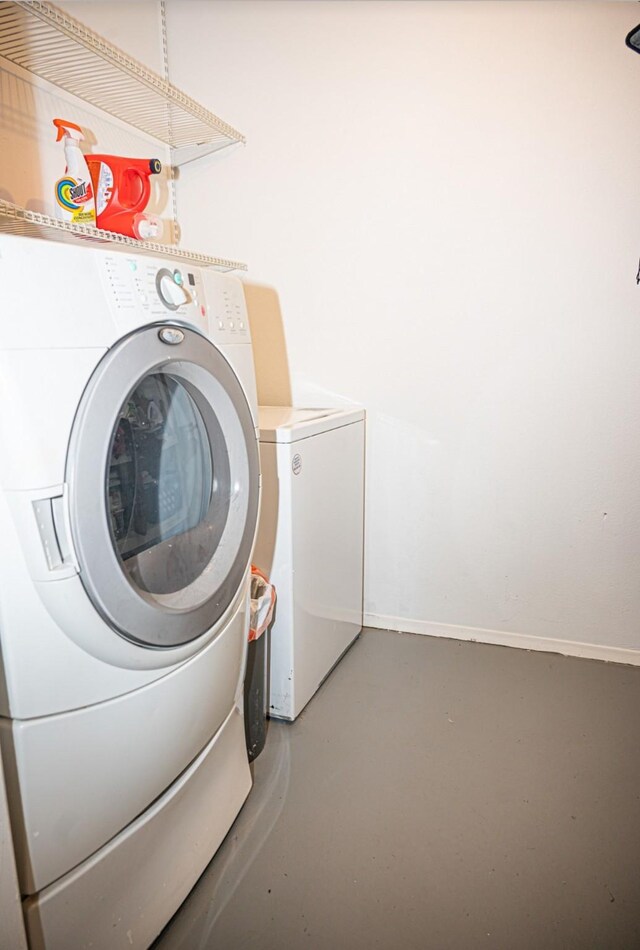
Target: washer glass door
point(168, 498)
point(167, 552)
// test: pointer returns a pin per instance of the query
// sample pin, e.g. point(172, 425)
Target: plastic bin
point(263, 599)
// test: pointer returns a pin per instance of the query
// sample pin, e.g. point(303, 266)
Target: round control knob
point(171, 293)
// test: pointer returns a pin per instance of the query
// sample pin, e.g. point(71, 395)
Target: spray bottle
point(74, 191)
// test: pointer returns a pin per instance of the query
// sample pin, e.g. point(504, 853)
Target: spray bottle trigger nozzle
point(65, 127)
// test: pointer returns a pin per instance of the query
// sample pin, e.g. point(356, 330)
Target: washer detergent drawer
point(83, 776)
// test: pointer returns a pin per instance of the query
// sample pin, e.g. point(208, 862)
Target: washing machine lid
point(288, 424)
point(163, 486)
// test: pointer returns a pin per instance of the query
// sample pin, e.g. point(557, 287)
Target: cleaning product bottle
point(122, 189)
point(74, 191)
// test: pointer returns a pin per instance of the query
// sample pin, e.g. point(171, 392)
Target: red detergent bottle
point(122, 190)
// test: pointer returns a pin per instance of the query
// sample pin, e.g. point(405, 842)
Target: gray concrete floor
point(437, 794)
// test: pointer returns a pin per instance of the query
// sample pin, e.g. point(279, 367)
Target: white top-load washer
point(310, 544)
point(129, 495)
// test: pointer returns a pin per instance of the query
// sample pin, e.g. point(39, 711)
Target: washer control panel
point(228, 320)
point(142, 290)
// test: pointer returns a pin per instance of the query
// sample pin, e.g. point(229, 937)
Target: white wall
point(445, 198)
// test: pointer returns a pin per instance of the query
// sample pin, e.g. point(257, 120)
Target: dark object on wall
point(633, 39)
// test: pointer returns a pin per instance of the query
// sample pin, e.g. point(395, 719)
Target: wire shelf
point(46, 41)
point(17, 220)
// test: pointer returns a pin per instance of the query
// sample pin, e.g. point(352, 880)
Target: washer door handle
point(51, 523)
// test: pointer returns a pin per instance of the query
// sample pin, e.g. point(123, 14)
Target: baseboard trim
point(591, 651)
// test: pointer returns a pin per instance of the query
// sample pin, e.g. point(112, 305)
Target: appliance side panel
point(273, 556)
point(240, 357)
point(328, 528)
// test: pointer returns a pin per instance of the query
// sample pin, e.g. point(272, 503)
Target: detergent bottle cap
point(69, 129)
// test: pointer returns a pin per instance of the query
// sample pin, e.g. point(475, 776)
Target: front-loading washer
point(128, 508)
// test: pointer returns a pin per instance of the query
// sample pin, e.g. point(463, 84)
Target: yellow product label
point(84, 217)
